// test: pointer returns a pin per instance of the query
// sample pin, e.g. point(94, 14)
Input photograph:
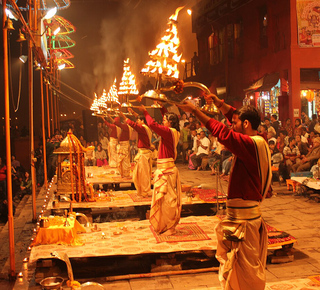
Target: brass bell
point(8, 24)
point(21, 37)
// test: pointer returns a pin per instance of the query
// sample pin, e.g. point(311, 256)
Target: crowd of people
point(294, 147)
point(21, 185)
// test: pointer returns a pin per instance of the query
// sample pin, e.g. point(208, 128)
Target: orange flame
point(105, 101)
point(113, 94)
point(165, 58)
point(128, 81)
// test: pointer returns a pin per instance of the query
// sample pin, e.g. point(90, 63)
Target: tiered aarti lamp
point(164, 65)
point(165, 58)
point(108, 103)
point(127, 86)
point(112, 100)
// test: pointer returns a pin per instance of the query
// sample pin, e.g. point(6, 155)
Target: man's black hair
point(251, 114)
point(173, 119)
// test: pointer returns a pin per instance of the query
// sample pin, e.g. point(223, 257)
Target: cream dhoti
point(242, 246)
point(166, 199)
point(142, 172)
point(124, 159)
point(112, 152)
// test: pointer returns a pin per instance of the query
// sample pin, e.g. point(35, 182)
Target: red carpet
point(185, 232)
point(209, 195)
point(137, 198)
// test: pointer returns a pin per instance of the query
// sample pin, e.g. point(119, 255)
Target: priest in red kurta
point(114, 132)
point(142, 170)
point(242, 235)
point(124, 148)
point(166, 199)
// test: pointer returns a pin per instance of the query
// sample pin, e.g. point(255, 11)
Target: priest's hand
point(187, 107)
point(122, 115)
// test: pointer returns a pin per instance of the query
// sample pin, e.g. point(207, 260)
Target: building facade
point(263, 52)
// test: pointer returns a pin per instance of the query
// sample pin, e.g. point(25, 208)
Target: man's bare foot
point(169, 232)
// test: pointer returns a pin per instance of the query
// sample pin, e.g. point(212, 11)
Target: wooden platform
point(136, 239)
point(105, 175)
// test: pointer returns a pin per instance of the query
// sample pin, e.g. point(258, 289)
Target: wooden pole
point(12, 273)
point(48, 109)
point(31, 129)
point(44, 150)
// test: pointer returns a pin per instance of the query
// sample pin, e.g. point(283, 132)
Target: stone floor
point(298, 215)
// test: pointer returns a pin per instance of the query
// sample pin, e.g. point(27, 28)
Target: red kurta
point(125, 133)
point(245, 181)
point(143, 138)
point(113, 128)
point(166, 148)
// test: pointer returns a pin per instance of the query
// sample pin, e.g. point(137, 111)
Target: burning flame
point(165, 58)
point(128, 81)
point(95, 104)
point(112, 97)
point(106, 101)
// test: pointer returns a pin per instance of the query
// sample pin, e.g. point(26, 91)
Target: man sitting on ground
point(310, 159)
point(203, 150)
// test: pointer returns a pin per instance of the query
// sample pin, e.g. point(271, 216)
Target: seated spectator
point(279, 144)
point(310, 159)
point(202, 151)
point(314, 121)
point(3, 181)
point(184, 138)
point(305, 119)
point(214, 157)
point(303, 147)
point(291, 154)
point(276, 156)
point(226, 166)
point(315, 170)
point(288, 127)
point(270, 129)
point(89, 156)
point(26, 184)
point(104, 142)
point(101, 157)
point(183, 119)
point(263, 130)
point(297, 126)
point(198, 127)
point(225, 154)
point(193, 148)
point(270, 137)
point(192, 122)
point(15, 163)
point(312, 134)
point(304, 134)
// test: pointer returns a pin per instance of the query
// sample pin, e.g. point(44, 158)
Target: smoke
point(132, 30)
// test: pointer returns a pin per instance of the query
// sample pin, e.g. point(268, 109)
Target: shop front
point(264, 94)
